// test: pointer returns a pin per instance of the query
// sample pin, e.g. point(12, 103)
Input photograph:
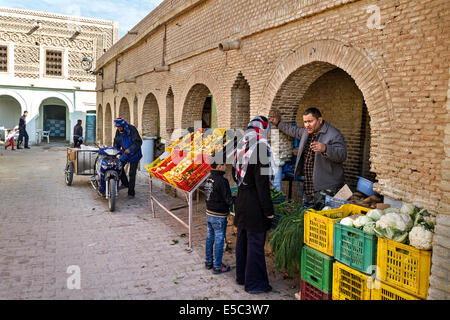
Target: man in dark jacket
point(77, 134)
point(320, 157)
point(128, 140)
point(218, 202)
point(22, 131)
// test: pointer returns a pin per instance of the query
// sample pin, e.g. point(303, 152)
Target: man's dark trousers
point(23, 134)
point(132, 175)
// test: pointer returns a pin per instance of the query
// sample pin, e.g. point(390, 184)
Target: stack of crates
point(355, 252)
point(317, 259)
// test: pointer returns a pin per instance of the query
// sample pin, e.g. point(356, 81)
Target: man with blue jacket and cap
point(129, 142)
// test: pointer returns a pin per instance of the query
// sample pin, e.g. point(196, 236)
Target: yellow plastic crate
point(155, 163)
point(349, 284)
point(319, 226)
point(386, 292)
point(404, 267)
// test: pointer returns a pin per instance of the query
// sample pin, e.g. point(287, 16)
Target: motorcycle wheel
point(69, 173)
point(112, 194)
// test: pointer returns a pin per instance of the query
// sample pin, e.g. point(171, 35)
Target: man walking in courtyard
point(77, 134)
point(320, 157)
point(129, 141)
point(22, 131)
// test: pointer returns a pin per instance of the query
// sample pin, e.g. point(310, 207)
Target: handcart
point(80, 162)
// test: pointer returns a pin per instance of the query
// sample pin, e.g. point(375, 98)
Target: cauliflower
point(391, 210)
point(347, 222)
point(369, 227)
point(408, 209)
point(394, 226)
point(397, 221)
point(361, 221)
point(421, 238)
point(375, 214)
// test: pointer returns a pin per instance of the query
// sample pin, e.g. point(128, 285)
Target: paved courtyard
point(47, 227)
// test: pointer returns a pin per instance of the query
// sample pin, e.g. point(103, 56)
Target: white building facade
point(41, 71)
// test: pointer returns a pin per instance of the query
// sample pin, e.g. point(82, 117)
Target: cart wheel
point(112, 194)
point(69, 173)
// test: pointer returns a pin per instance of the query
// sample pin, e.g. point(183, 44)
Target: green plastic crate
point(355, 248)
point(317, 269)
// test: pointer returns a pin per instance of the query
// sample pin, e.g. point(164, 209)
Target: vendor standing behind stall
point(252, 171)
point(320, 157)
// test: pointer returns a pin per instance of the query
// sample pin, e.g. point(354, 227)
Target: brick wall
point(400, 70)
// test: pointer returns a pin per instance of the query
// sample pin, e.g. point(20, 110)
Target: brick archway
point(196, 89)
point(301, 67)
point(124, 110)
point(150, 116)
point(107, 124)
point(99, 123)
point(333, 53)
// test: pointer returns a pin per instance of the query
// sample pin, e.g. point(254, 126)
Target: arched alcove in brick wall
point(193, 105)
point(100, 123)
point(240, 103)
point(150, 116)
point(342, 105)
point(199, 87)
point(135, 112)
point(124, 110)
point(108, 125)
point(301, 67)
point(170, 113)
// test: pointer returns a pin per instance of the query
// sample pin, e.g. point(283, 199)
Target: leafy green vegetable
point(286, 241)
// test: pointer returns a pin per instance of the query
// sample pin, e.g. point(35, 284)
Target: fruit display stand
point(185, 167)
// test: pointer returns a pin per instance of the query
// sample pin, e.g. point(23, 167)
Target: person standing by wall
point(253, 171)
point(321, 154)
point(128, 140)
point(77, 134)
point(218, 202)
point(22, 131)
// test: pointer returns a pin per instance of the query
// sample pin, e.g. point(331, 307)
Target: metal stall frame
point(189, 197)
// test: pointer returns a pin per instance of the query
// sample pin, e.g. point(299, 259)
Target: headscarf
point(120, 122)
point(256, 134)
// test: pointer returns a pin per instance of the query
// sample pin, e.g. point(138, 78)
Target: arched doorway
point(199, 106)
point(10, 112)
point(170, 113)
point(240, 103)
point(100, 123)
point(135, 112)
point(342, 105)
point(150, 116)
point(54, 117)
point(124, 110)
point(335, 93)
point(108, 125)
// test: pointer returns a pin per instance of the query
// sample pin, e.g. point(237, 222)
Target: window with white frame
point(3, 58)
point(53, 63)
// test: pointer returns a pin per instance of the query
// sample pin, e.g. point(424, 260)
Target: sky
point(126, 13)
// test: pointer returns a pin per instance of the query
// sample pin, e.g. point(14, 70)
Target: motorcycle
point(107, 171)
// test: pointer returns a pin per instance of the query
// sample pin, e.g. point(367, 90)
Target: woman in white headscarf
point(252, 171)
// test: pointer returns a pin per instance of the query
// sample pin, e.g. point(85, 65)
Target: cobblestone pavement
point(46, 226)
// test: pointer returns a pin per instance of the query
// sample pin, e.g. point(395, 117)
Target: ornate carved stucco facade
point(379, 71)
point(54, 101)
